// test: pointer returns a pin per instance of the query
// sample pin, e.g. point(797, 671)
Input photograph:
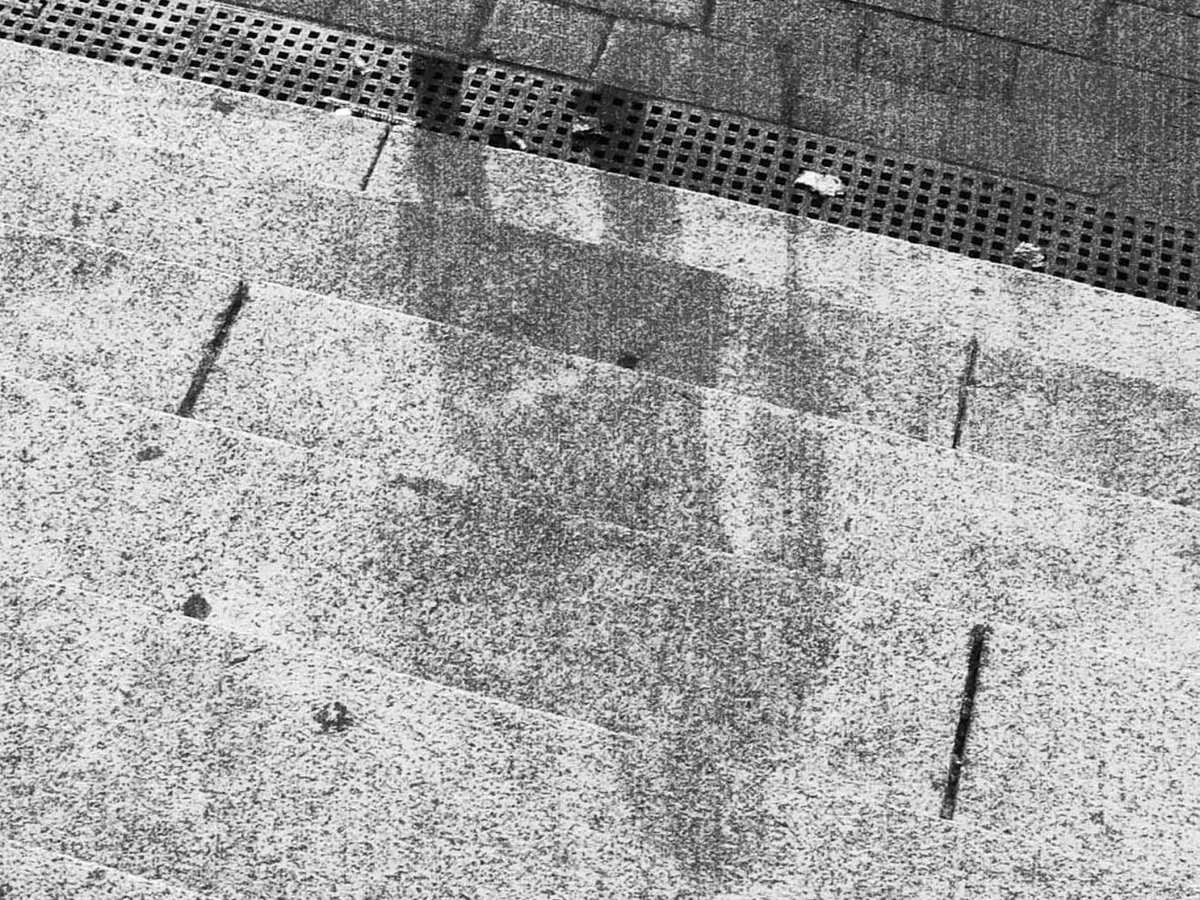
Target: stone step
point(151, 742)
point(506, 243)
point(712, 664)
point(908, 530)
point(153, 745)
point(728, 660)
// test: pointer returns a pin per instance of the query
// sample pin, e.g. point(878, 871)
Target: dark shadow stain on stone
point(146, 454)
point(628, 361)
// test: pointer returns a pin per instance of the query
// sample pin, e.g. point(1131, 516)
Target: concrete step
point(701, 466)
point(178, 749)
point(724, 665)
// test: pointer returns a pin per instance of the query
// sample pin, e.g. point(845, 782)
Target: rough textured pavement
point(537, 532)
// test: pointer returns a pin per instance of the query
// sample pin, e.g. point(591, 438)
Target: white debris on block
point(361, 62)
point(1030, 254)
point(585, 125)
point(820, 183)
point(341, 112)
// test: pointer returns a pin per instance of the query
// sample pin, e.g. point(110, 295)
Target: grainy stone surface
point(684, 65)
point(1122, 432)
point(445, 23)
point(1071, 25)
point(28, 871)
point(83, 318)
point(544, 35)
point(830, 25)
point(153, 743)
point(1153, 39)
point(240, 132)
point(934, 58)
point(683, 12)
point(717, 664)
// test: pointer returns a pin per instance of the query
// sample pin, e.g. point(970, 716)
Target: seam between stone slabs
point(761, 565)
point(21, 846)
point(1075, 482)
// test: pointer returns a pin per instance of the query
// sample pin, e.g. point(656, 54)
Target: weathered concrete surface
point(81, 317)
point(1090, 733)
point(470, 268)
point(28, 871)
point(152, 743)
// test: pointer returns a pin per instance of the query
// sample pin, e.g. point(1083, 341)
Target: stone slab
point(1109, 739)
point(1154, 39)
point(153, 743)
point(34, 872)
point(825, 32)
point(1128, 434)
point(241, 132)
point(680, 12)
point(935, 58)
point(545, 35)
point(450, 24)
point(1075, 26)
point(683, 65)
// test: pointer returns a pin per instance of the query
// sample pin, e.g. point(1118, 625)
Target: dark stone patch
point(627, 361)
point(148, 453)
point(333, 717)
point(196, 607)
point(223, 105)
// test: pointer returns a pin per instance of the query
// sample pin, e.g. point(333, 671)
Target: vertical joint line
point(610, 24)
point(1009, 88)
point(950, 798)
point(964, 389)
point(383, 139)
point(213, 350)
point(707, 13)
point(947, 11)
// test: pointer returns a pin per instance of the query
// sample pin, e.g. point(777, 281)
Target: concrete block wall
point(1097, 97)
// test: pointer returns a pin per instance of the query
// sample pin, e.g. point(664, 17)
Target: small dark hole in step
point(196, 607)
point(148, 453)
point(333, 716)
point(627, 361)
